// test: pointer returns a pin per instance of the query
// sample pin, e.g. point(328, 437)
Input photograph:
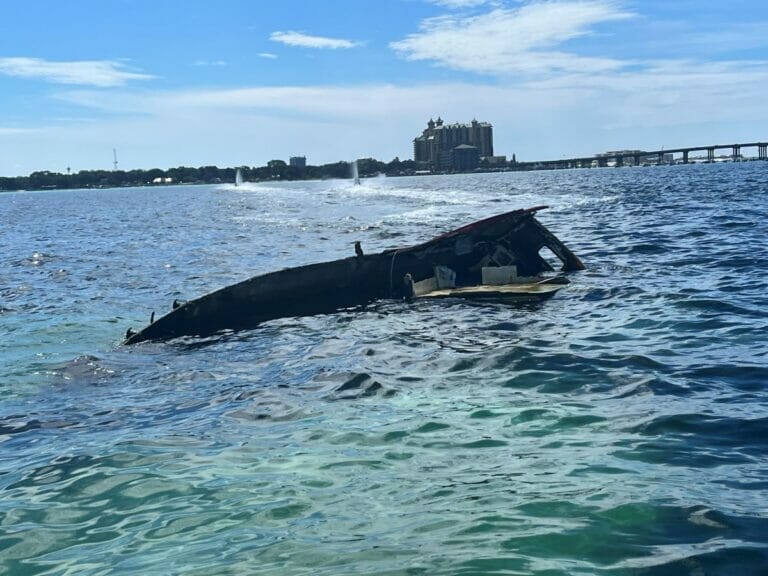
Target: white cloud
point(300, 39)
point(101, 73)
point(678, 38)
point(460, 3)
point(6, 131)
point(267, 55)
point(670, 93)
point(214, 63)
point(509, 41)
point(663, 93)
point(312, 103)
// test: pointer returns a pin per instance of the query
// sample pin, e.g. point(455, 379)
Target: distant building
point(298, 161)
point(465, 158)
point(445, 146)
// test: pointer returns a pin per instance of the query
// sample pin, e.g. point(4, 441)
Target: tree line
point(274, 170)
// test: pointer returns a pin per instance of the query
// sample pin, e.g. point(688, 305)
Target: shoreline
point(112, 179)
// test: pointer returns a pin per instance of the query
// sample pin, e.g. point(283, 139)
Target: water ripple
point(619, 428)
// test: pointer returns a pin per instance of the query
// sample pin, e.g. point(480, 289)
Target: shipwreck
point(496, 257)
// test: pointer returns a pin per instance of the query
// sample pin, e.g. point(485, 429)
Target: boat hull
point(330, 286)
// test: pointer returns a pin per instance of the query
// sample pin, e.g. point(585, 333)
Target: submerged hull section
point(512, 238)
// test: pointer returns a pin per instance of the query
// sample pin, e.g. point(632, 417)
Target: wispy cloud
point(461, 3)
point(267, 55)
point(213, 63)
point(511, 41)
point(101, 73)
point(6, 131)
point(679, 38)
point(665, 90)
point(292, 38)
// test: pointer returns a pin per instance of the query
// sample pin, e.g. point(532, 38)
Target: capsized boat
point(503, 246)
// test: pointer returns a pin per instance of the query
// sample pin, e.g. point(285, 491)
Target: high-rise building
point(298, 161)
point(448, 146)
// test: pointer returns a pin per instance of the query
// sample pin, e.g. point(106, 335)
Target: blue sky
point(236, 82)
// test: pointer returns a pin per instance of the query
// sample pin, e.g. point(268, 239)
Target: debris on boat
point(496, 257)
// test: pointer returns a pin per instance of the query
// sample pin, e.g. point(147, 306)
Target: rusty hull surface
point(330, 286)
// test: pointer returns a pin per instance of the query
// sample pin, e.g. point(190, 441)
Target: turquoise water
point(618, 428)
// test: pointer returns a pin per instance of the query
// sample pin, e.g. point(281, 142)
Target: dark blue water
point(618, 428)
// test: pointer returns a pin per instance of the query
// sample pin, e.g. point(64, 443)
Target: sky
point(240, 82)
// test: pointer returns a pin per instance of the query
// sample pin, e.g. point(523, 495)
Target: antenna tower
point(114, 154)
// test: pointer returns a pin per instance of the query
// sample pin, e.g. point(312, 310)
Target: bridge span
point(664, 156)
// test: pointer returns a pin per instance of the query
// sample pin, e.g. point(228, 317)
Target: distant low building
point(298, 161)
point(465, 158)
point(437, 146)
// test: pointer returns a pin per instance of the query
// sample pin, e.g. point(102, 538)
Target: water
point(618, 428)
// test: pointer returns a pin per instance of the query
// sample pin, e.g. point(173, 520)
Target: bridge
point(638, 157)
